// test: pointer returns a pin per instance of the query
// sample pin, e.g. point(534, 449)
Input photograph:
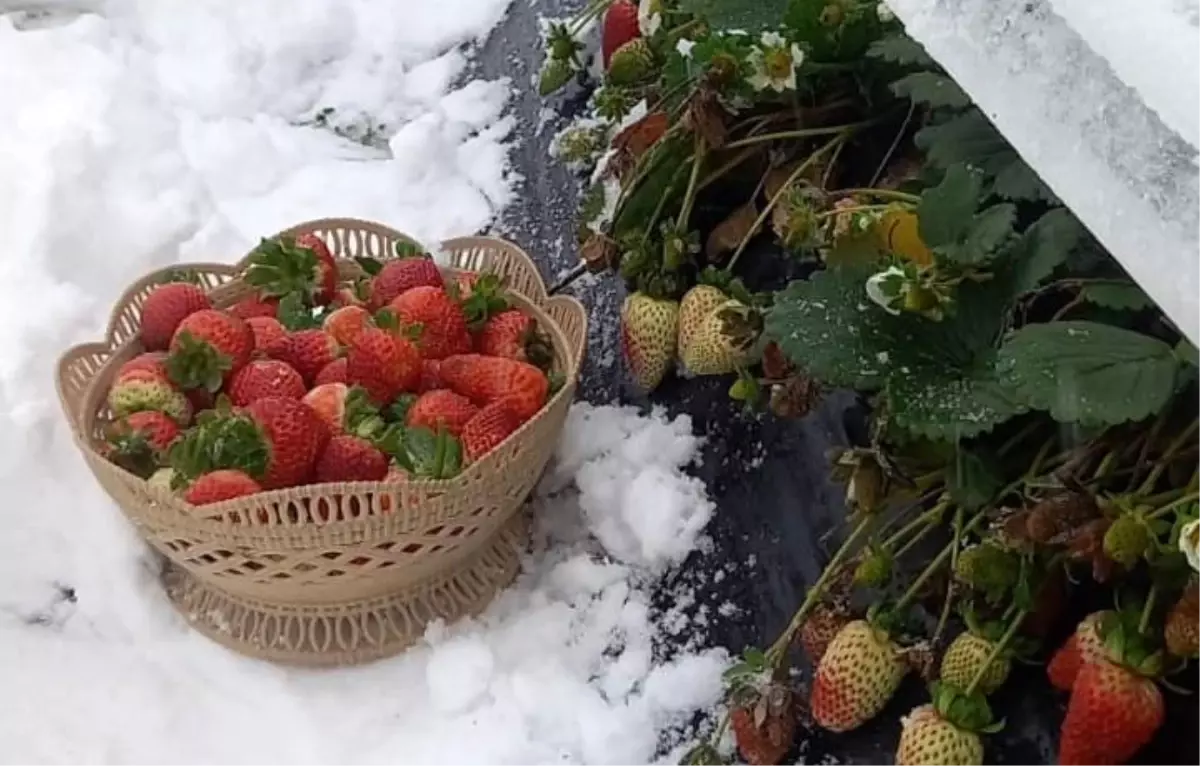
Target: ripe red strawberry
point(486, 379)
point(345, 409)
point(350, 458)
point(1083, 646)
point(167, 306)
point(487, 429)
point(142, 390)
point(400, 276)
point(857, 676)
point(303, 265)
point(293, 437)
point(384, 364)
point(513, 334)
point(1112, 713)
point(441, 408)
point(309, 351)
point(430, 379)
point(151, 361)
point(254, 307)
point(334, 372)
point(345, 323)
point(138, 441)
point(264, 378)
point(268, 333)
point(208, 348)
point(619, 27)
point(219, 485)
point(443, 325)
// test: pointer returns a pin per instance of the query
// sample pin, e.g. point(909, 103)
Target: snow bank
point(163, 132)
point(1101, 99)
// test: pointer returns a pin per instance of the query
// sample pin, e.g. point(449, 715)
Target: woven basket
point(335, 573)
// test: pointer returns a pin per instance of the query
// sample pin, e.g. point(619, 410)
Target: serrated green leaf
point(900, 49)
point(748, 15)
point(945, 212)
point(945, 404)
point(1043, 247)
point(970, 137)
point(1088, 373)
point(973, 478)
point(1115, 294)
point(827, 326)
point(988, 231)
point(930, 88)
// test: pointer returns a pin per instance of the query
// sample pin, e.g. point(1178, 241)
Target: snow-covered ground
point(159, 131)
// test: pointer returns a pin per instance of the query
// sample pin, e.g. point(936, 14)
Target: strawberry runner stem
point(891, 194)
point(997, 648)
point(956, 544)
point(926, 519)
point(1161, 465)
point(778, 649)
point(689, 197)
point(1190, 497)
point(589, 12)
point(1148, 608)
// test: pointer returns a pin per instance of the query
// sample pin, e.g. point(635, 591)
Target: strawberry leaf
point(1042, 248)
point(1088, 373)
point(930, 88)
point(901, 49)
point(1115, 294)
point(973, 478)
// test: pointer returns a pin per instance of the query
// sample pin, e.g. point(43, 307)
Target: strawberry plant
point(797, 197)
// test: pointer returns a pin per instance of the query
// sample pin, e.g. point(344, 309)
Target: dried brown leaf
point(728, 234)
point(707, 118)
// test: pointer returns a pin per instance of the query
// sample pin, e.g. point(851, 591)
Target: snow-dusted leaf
point(932, 89)
point(826, 326)
point(945, 404)
point(1115, 294)
point(1088, 373)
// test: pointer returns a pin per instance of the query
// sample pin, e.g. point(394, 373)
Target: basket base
point(352, 632)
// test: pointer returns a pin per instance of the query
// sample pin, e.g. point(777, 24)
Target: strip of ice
point(1101, 98)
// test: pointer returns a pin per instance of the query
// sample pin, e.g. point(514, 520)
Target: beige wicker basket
point(266, 575)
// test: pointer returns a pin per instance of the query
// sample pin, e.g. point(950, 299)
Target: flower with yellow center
point(774, 63)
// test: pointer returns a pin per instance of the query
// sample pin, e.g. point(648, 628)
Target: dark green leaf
point(406, 249)
point(989, 230)
point(1043, 247)
point(755, 658)
point(971, 138)
point(945, 404)
point(973, 478)
point(935, 90)
point(900, 49)
point(1187, 353)
point(1089, 373)
point(827, 326)
point(370, 266)
point(1115, 294)
point(752, 16)
point(945, 213)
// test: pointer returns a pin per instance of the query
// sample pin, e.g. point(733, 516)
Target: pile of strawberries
point(395, 375)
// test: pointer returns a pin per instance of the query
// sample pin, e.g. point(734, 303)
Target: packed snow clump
point(150, 133)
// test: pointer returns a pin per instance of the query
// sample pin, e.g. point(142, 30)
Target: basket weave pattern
point(335, 573)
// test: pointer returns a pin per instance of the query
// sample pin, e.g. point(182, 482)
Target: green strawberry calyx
point(217, 441)
point(196, 363)
point(279, 267)
point(421, 452)
point(969, 712)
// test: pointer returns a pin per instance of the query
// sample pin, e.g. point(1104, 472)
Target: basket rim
point(220, 518)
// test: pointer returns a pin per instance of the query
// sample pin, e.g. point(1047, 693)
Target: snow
point(153, 133)
point(1101, 99)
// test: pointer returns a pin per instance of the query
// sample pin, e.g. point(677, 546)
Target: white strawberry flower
point(649, 16)
point(886, 289)
point(774, 61)
point(684, 47)
point(1189, 543)
point(884, 13)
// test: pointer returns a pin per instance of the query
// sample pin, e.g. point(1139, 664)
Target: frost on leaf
point(1088, 373)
